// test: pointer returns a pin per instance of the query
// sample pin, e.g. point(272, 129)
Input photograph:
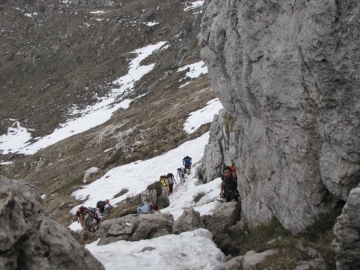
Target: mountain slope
point(151, 125)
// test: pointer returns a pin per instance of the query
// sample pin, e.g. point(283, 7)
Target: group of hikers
point(87, 216)
point(168, 180)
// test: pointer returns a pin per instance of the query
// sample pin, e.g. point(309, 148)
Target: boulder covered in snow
point(189, 220)
point(135, 227)
point(29, 240)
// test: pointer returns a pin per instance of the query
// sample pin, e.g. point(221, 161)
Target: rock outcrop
point(287, 74)
point(189, 220)
point(347, 233)
point(225, 216)
point(28, 240)
point(135, 227)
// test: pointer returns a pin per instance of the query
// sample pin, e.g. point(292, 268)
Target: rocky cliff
point(29, 240)
point(287, 73)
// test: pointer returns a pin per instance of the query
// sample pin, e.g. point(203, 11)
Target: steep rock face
point(28, 240)
point(347, 233)
point(287, 73)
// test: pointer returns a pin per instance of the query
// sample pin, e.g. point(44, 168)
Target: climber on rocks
point(229, 184)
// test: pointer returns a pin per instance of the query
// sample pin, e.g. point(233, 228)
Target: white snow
point(195, 70)
point(98, 12)
point(202, 116)
point(32, 14)
point(16, 137)
point(6, 162)
point(194, 5)
point(150, 23)
point(189, 250)
point(15, 141)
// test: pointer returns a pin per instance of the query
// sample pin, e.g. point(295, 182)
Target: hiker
point(181, 174)
point(165, 183)
point(229, 184)
point(187, 162)
point(103, 206)
point(85, 217)
point(96, 213)
point(171, 180)
point(147, 208)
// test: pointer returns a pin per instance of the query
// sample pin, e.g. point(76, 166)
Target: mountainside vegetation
point(55, 55)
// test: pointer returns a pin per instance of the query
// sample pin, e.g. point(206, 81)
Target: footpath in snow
point(188, 250)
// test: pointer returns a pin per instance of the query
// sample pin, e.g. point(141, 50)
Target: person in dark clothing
point(171, 180)
point(229, 185)
point(102, 206)
point(187, 162)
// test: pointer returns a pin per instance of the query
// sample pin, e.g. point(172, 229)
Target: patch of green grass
point(256, 238)
point(78, 181)
point(317, 236)
point(122, 192)
point(112, 160)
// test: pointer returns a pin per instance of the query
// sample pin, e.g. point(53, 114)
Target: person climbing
point(165, 183)
point(171, 180)
point(181, 174)
point(187, 162)
point(228, 187)
point(103, 206)
point(85, 218)
point(147, 208)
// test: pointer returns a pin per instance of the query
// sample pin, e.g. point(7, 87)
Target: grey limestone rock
point(29, 240)
point(135, 227)
point(287, 73)
point(347, 234)
point(188, 221)
point(249, 261)
point(226, 215)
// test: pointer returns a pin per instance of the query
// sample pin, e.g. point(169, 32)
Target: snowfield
point(189, 250)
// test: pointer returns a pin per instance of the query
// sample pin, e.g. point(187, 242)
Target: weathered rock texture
point(135, 227)
point(28, 240)
point(347, 233)
point(251, 260)
point(287, 72)
point(189, 220)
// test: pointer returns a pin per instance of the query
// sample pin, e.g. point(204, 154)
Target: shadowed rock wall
point(287, 72)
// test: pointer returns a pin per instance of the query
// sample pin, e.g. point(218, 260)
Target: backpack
point(233, 170)
point(139, 209)
point(100, 204)
point(163, 181)
point(96, 213)
point(187, 160)
point(170, 177)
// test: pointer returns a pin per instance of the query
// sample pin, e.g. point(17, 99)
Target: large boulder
point(135, 227)
point(251, 260)
point(287, 74)
point(189, 220)
point(156, 195)
point(225, 216)
point(347, 233)
point(29, 240)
